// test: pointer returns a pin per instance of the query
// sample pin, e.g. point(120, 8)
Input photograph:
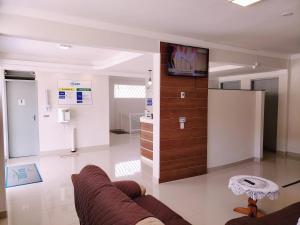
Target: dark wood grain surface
point(183, 153)
point(147, 140)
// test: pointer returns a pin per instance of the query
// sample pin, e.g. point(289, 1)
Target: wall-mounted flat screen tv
point(187, 61)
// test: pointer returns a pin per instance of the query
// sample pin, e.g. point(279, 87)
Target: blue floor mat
point(22, 175)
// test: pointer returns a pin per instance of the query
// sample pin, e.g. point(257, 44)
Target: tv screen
point(187, 61)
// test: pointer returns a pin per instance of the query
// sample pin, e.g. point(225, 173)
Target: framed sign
point(149, 101)
point(74, 92)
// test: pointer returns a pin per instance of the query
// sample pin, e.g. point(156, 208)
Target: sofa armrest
point(131, 188)
point(245, 220)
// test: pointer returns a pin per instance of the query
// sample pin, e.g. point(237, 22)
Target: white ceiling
point(139, 65)
point(83, 58)
point(258, 27)
point(32, 50)
point(86, 58)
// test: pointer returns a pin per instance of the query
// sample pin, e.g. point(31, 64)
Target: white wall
point(91, 121)
point(233, 131)
point(294, 107)
point(149, 92)
point(282, 76)
point(156, 117)
point(120, 106)
point(2, 164)
point(213, 82)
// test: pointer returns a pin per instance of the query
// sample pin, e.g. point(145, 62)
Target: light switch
point(182, 121)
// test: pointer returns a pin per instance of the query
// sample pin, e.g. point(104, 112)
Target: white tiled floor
point(203, 200)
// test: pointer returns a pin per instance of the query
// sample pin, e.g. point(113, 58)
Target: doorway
point(231, 85)
point(270, 86)
point(22, 118)
point(127, 104)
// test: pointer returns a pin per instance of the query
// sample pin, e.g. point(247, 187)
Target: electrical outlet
point(182, 94)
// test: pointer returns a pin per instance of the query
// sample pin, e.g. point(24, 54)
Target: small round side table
point(255, 188)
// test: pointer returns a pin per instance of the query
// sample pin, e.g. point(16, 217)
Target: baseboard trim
point(3, 214)
point(147, 161)
point(293, 155)
point(217, 168)
point(290, 155)
point(281, 154)
point(78, 150)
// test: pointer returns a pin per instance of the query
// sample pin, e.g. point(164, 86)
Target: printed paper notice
point(74, 92)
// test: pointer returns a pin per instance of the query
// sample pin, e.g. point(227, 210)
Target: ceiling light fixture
point(255, 65)
point(64, 46)
point(150, 80)
point(224, 68)
point(287, 14)
point(244, 3)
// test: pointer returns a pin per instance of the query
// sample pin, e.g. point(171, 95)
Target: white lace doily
point(254, 187)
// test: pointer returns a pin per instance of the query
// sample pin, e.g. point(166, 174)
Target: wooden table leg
point(252, 209)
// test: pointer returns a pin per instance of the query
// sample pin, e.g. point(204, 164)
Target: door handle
point(34, 117)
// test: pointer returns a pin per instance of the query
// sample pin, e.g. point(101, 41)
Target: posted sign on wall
point(74, 92)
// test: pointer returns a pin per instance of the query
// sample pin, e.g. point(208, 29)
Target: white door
point(23, 139)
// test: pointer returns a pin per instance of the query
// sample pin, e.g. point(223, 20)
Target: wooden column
point(183, 153)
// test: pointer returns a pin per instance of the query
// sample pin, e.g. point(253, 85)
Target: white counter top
point(144, 119)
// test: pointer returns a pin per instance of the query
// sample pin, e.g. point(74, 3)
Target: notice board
point(75, 92)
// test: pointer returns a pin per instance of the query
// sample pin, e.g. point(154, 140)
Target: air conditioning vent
point(19, 75)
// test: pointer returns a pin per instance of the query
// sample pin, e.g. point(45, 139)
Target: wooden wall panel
point(147, 153)
point(146, 140)
point(147, 144)
point(147, 135)
point(147, 127)
point(183, 153)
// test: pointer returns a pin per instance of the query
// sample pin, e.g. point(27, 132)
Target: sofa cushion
point(286, 216)
point(129, 187)
point(99, 202)
point(160, 210)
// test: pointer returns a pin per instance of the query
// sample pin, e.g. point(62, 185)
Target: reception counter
point(146, 137)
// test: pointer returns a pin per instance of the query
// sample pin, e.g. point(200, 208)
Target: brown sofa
point(285, 216)
point(99, 201)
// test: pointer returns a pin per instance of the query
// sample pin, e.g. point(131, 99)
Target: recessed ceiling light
point(287, 14)
point(224, 68)
point(244, 3)
point(64, 46)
